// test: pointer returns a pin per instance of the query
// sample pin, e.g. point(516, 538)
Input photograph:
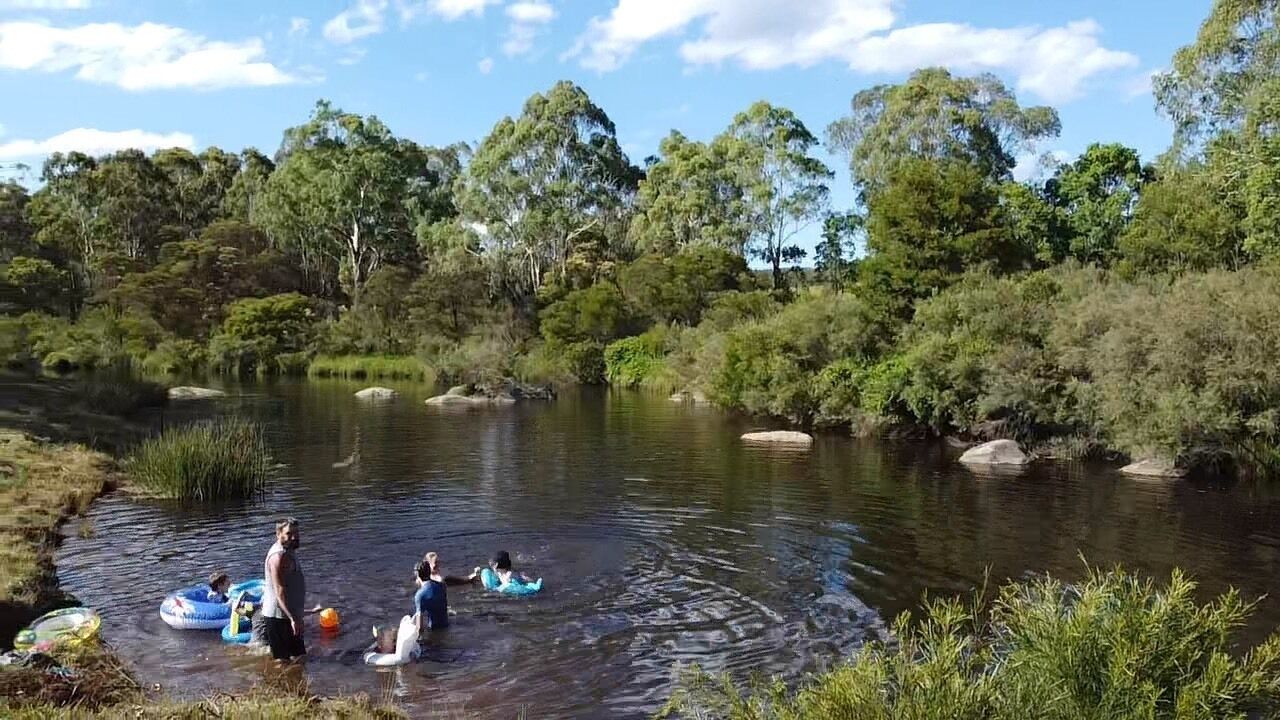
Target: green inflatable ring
point(69, 626)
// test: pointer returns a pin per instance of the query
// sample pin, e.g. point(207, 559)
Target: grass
point(1114, 646)
point(41, 484)
point(103, 689)
point(371, 367)
point(121, 396)
point(213, 460)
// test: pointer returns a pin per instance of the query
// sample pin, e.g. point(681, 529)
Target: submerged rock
point(459, 390)
point(1153, 467)
point(694, 396)
point(376, 393)
point(507, 392)
point(185, 392)
point(782, 437)
point(457, 400)
point(996, 452)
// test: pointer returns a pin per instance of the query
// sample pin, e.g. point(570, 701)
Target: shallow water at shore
point(662, 539)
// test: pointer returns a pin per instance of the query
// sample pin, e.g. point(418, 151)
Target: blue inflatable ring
point(190, 609)
point(250, 592)
point(490, 580)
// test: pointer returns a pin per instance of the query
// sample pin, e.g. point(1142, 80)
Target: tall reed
point(210, 460)
point(372, 367)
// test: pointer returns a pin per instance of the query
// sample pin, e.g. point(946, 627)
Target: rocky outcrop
point(506, 392)
point(376, 393)
point(996, 452)
point(1153, 467)
point(185, 392)
point(779, 437)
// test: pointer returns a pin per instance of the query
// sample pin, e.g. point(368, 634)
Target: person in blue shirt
point(431, 602)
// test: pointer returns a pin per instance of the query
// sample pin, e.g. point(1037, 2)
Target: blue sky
point(97, 74)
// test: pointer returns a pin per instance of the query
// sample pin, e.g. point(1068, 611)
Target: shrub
point(175, 357)
point(543, 363)
point(596, 314)
point(476, 359)
point(1113, 646)
point(633, 361)
point(586, 362)
point(212, 460)
point(257, 330)
point(372, 367)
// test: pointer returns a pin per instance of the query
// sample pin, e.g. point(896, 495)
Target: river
point(663, 541)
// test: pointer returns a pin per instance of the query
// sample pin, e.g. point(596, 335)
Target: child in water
point(431, 601)
point(219, 584)
point(501, 573)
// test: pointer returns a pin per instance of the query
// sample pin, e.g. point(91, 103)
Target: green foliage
point(1112, 646)
point(633, 361)
point(120, 394)
point(1184, 221)
point(585, 361)
point(934, 115)
point(176, 357)
point(596, 315)
point(769, 366)
point(478, 359)
point(680, 287)
point(216, 460)
point(28, 283)
point(372, 367)
point(933, 221)
point(258, 330)
point(1097, 194)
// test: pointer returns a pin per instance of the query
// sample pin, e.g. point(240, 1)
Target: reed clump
point(222, 459)
point(371, 367)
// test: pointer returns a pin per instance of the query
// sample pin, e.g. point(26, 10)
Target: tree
point(691, 195)
point(32, 284)
point(935, 115)
point(243, 198)
point(260, 333)
point(1185, 220)
point(784, 188)
point(452, 294)
point(540, 184)
point(64, 214)
point(1097, 194)
point(681, 287)
point(342, 197)
point(833, 255)
point(16, 233)
point(1223, 95)
point(933, 221)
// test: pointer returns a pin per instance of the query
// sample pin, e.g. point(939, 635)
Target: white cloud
point(149, 56)
point(44, 4)
point(362, 19)
point(94, 142)
point(531, 12)
point(485, 66)
point(454, 9)
point(527, 20)
point(299, 26)
point(352, 56)
point(765, 34)
point(1, 129)
point(420, 76)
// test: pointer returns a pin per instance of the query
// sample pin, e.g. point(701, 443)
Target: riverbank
point(44, 482)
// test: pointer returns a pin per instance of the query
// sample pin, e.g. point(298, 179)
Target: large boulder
point(996, 452)
point(185, 392)
point(1153, 467)
point(457, 401)
point(376, 393)
point(779, 437)
point(459, 390)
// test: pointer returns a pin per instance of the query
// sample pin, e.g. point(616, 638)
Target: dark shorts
point(280, 638)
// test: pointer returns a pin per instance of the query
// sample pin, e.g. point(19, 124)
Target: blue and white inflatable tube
point(190, 609)
point(515, 586)
point(248, 592)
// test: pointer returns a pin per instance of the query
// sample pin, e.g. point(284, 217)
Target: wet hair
point(216, 579)
point(286, 522)
point(501, 560)
point(424, 571)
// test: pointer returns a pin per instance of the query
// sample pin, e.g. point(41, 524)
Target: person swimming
point(500, 573)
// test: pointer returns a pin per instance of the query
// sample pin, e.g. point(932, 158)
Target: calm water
point(663, 542)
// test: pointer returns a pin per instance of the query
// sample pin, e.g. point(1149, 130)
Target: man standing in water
point(285, 595)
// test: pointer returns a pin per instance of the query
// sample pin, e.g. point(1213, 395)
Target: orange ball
point(329, 618)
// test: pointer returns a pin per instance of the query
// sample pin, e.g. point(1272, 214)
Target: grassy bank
point(41, 485)
point(371, 367)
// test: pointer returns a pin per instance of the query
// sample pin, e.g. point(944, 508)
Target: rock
point(781, 437)
point(194, 393)
point(1153, 467)
point(459, 390)
point(694, 396)
point(996, 452)
point(457, 401)
point(376, 393)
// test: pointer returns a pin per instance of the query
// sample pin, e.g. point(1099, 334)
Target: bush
point(586, 362)
point(596, 314)
point(372, 367)
point(173, 357)
point(476, 359)
point(213, 460)
point(543, 363)
point(633, 361)
point(1114, 646)
point(257, 330)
